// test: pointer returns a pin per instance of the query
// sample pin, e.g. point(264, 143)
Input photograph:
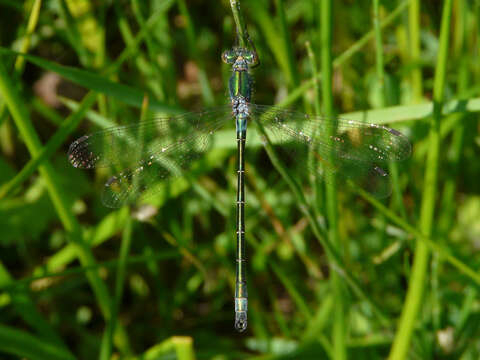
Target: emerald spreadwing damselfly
point(163, 148)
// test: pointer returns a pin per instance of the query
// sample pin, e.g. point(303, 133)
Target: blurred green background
point(79, 280)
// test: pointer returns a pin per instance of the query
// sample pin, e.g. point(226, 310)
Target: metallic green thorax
point(240, 84)
point(240, 89)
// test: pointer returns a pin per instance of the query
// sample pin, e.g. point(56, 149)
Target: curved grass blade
point(360, 151)
point(145, 153)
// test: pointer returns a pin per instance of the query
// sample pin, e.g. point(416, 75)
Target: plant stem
point(447, 216)
point(315, 181)
point(379, 51)
point(27, 309)
point(414, 297)
point(31, 26)
point(19, 67)
point(339, 328)
point(107, 341)
point(414, 35)
point(292, 74)
point(380, 67)
point(242, 34)
point(22, 344)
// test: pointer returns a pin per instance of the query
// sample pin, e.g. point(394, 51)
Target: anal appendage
point(241, 307)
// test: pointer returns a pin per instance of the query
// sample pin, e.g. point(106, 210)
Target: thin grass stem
point(285, 36)
point(314, 180)
point(448, 204)
point(412, 305)
point(339, 317)
point(242, 34)
point(107, 340)
point(414, 40)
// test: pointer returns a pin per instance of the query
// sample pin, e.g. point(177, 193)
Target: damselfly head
point(241, 58)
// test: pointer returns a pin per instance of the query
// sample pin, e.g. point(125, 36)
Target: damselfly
point(165, 147)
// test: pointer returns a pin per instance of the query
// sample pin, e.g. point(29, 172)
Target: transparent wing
point(356, 151)
point(142, 154)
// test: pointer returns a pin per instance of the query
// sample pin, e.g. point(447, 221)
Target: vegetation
point(333, 273)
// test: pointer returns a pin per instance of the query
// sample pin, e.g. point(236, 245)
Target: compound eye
point(229, 56)
point(250, 58)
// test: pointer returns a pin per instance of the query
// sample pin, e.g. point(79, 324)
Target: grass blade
point(26, 129)
point(97, 83)
point(26, 308)
point(331, 201)
point(413, 301)
point(24, 345)
point(414, 36)
point(51, 147)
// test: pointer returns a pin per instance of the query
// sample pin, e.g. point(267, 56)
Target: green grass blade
point(24, 48)
point(448, 203)
point(82, 270)
point(239, 22)
point(91, 35)
point(414, 36)
point(141, 61)
point(315, 181)
point(24, 345)
point(73, 34)
point(97, 83)
point(339, 334)
point(26, 308)
point(295, 94)
point(107, 341)
point(381, 78)
point(270, 31)
point(402, 113)
point(31, 26)
point(106, 228)
point(150, 64)
point(292, 74)
point(180, 346)
point(379, 51)
point(66, 128)
point(412, 305)
point(443, 252)
point(47, 112)
point(29, 135)
point(290, 287)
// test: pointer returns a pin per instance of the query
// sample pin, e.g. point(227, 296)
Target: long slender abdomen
point(241, 296)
